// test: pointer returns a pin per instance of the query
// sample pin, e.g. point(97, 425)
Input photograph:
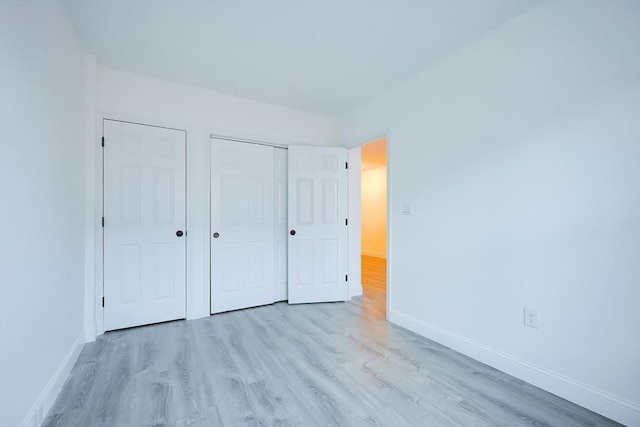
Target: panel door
point(281, 223)
point(317, 222)
point(242, 225)
point(144, 224)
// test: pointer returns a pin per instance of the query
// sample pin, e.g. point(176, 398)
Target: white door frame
point(389, 232)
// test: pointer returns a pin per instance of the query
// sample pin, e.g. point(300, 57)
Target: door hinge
point(346, 221)
point(346, 277)
point(346, 165)
point(102, 301)
point(103, 221)
point(103, 141)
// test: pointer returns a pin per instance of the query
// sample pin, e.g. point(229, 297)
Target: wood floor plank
point(333, 364)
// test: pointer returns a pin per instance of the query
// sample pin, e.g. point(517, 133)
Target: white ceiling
point(323, 57)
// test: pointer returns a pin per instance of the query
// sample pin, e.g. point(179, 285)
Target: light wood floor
point(374, 285)
point(337, 364)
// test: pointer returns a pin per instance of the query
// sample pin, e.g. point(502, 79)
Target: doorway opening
point(373, 199)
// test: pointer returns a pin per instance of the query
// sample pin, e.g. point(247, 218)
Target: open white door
point(318, 224)
point(144, 224)
point(242, 225)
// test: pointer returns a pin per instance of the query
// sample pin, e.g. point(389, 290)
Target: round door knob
point(292, 232)
point(179, 233)
point(216, 235)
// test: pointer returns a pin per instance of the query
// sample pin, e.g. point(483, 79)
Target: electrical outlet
point(531, 317)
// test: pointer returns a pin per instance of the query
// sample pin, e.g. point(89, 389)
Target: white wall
point(374, 212)
point(128, 96)
point(42, 125)
point(521, 156)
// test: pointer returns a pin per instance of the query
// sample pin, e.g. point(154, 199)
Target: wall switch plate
point(407, 209)
point(531, 317)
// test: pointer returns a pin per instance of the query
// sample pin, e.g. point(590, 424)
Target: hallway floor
point(374, 284)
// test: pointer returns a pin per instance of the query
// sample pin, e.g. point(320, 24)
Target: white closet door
point(281, 224)
point(317, 222)
point(144, 224)
point(242, 225)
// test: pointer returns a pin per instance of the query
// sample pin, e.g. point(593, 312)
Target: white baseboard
point(355, 289)
point(596, 400)
point(45, 401)
point(374, 254)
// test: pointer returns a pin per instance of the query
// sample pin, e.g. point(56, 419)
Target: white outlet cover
point(531, 317)
point(407, 209)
